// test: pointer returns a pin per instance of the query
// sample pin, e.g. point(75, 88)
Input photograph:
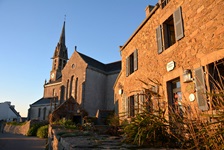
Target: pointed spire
point(62, 37)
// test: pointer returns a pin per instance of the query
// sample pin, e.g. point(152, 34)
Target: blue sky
point(30, 30)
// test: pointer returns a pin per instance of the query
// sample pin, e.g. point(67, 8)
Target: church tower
point(59, 58)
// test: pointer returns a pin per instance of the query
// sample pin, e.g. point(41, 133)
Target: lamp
point(120, 91)
point(187, 76)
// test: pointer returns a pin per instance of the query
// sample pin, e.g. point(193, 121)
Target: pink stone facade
point(202, 44)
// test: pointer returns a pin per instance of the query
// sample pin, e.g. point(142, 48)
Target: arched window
point(62, 95)
point(76, 88)
point(67, 89)
point(70, 92)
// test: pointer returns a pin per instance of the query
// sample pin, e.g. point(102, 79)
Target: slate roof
point(15, 112)
point(44, 101)
point(111, 67)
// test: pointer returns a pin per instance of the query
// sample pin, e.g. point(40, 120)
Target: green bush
point(33, 130)
point(148, 128)
point(16, 123)
point(42, 132)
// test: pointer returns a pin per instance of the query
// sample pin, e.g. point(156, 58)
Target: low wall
point(23, 129)
point(16, 129)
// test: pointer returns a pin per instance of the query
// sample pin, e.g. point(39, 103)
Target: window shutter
point(135, 60)
point(165, 35)
point(178, 24)
point(159, 39)
point(141, 103)
point(200, 89)
point(136, 104)
point(124, 105)
point(128, 106)
point(127, 66)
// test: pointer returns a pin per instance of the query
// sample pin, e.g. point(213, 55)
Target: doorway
point(175, 97)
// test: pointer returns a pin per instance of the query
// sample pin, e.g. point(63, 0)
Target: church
point(81, 78)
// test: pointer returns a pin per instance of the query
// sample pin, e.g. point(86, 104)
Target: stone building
point(83, 78)
point(8, 112)
point(175, 53)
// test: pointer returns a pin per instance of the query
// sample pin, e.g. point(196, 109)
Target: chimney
point(148, 9)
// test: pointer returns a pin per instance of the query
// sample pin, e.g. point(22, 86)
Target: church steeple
point(62, 37)
point(60, 57)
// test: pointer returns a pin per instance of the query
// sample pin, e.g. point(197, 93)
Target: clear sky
point(30, 30)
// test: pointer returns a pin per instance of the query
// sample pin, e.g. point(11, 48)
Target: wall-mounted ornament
point(170, 66)
point(120, 91)
point(187, 76)
point(191, 97)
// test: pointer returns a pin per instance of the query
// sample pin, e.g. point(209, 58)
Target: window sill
point(170, 49)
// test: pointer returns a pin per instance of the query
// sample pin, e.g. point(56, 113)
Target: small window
point(135, 104)
point(170, 31)
point(132, 63)
point(131, 106)
point(39, 109)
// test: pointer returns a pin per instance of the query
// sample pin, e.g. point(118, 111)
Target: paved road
point(20, 142)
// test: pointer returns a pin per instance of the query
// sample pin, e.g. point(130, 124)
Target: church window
point(76, 88)
point(54, 65)
point(62, 92)
point(60, 64)
point(64, 63)
point(67, 89)
point(71, 91)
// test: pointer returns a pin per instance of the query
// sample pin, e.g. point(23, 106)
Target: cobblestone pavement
point(20, 142)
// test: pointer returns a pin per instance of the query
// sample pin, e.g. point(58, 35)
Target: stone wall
point(23, 129)
point(202, 44)
point(16, 129)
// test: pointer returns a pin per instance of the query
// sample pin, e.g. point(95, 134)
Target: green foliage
point(33, 130)
point(16, 123)
point(114, 125)
point(66, 123)
point(42, 132)
point(148, 128)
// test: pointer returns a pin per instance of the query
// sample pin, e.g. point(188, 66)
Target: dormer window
point(164, 3)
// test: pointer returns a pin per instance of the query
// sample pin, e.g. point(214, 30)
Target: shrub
point(42, 132)
point(66, 123)
point(33, 130)
point(16, 123)
point(114, 126)
point(148, 128)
